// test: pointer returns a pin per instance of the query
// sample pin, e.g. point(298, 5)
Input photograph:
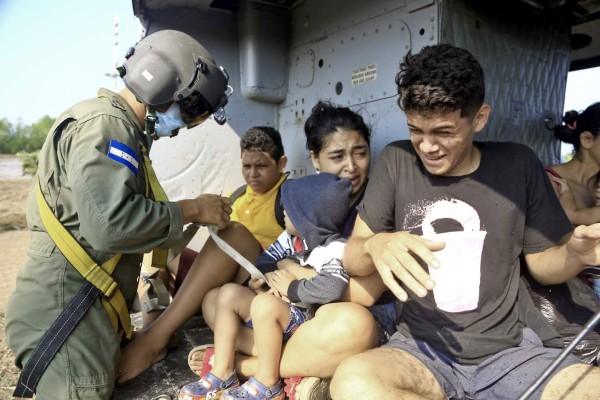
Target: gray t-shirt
point(510, 198)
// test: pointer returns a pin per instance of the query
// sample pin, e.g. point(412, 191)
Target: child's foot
point(254, 390)
point(208, 387)
point(200, 359)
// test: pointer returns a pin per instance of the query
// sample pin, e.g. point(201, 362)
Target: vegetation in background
point(15, 138)
point(29, 161)
point(25, 141)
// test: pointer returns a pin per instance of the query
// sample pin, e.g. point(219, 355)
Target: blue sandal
point(208, 387)
point(254, 390)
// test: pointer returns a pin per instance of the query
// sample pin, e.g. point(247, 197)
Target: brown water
point(10, 166)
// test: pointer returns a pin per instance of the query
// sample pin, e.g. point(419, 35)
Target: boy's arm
point(565, 195)
point(330, 281)
point(326, 287)
point(277, 251)
point(561, 263)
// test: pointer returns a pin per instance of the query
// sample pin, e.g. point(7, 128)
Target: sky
point(54, 53)
point(583, 89)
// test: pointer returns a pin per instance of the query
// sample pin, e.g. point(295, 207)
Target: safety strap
point(53, 339)
point(159, 256)
point(233, 253)
point(240, 259)
point(98, 281)
point(99, 276)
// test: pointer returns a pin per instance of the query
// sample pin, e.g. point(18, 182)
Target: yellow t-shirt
point(257, 213)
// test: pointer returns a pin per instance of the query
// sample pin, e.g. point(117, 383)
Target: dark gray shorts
point(505, 375)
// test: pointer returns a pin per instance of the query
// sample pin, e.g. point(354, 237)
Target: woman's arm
point(577, 215)
point(296, 269)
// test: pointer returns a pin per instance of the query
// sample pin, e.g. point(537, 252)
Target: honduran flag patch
point(123, 154)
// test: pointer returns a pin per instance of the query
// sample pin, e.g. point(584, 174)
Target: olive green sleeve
point(114, 214)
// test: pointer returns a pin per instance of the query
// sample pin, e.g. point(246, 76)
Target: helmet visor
point(194, 109)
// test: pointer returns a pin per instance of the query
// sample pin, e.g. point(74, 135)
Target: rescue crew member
point(95, 202)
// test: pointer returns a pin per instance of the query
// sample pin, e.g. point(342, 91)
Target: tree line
point(20, 138)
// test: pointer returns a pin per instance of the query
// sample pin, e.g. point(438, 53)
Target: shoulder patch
point(125, 155)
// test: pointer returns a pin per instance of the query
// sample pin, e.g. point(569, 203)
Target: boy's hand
point(396, 255)
point(585, 243)
point(256, 285)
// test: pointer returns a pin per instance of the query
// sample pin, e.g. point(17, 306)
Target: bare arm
point(577, 215)
point(295, 269)
point(393, 256)
point(584, 215)
point(356, 260)
point(561, 263)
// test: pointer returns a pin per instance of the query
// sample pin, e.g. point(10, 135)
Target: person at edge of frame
point(485, 204)
point(95, 176)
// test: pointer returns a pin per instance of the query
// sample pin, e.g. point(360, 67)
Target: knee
point(263, 306)
point(578, 381)
point(226, 294)
point(235, 232)
point(352, 376)
point(240, 238)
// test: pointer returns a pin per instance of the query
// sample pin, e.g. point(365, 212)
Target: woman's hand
point(280, 281)
point(287, 265)
point(563, 185)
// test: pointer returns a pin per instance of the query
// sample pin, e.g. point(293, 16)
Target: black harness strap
point(54, 338)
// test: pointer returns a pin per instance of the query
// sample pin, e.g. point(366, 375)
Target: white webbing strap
point(233, 253)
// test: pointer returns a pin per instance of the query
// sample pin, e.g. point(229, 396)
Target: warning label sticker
point(364, 74)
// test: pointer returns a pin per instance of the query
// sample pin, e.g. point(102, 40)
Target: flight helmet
point(171, 66)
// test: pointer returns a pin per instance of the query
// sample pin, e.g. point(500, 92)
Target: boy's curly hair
point(440, 78)
point(263, 138)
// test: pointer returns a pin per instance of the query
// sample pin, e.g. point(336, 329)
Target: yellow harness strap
point(159, 256)
point(99, 276)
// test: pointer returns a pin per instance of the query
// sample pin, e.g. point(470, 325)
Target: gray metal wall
point(348, 52)
point(525, 57)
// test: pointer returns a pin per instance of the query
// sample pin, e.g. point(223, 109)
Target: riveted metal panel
point(525, 58)
point(348, 53)
point(206, 159)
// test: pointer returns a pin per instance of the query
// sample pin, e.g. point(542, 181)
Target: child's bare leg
point(337, 331)
point(270, 317)
point(233, 306)
point(212, 268)
point(209, 307)
point(245, 338)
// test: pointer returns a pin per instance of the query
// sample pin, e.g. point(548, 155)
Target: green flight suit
point(102, 202)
